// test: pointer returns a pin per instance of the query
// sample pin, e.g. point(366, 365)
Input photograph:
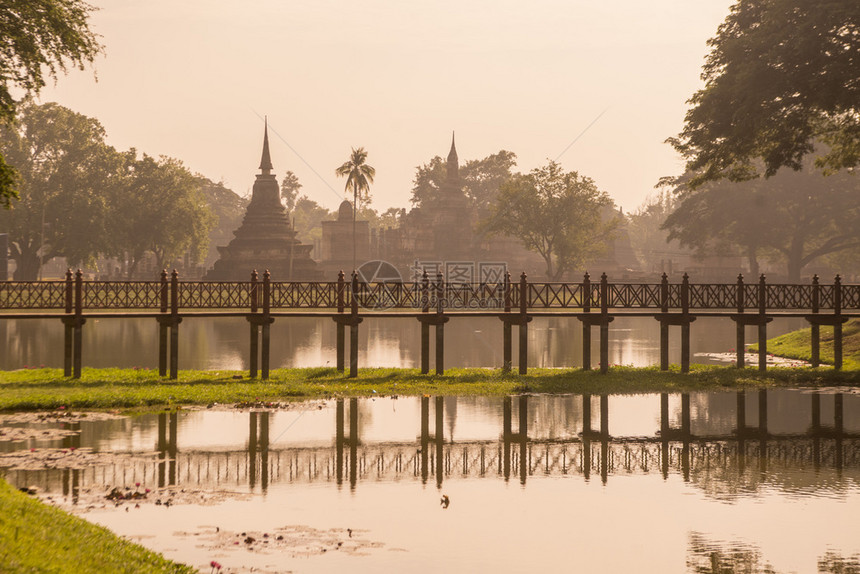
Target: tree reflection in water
point(705, 556)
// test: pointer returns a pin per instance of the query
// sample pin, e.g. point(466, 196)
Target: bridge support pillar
point(73, 346)
point(682, 320)
point(352, 321)
point(588, 321)
point(507, 348)
point(425, 348)
point(341, 348)
point(437, 320)
point(440, 348)
point(759, 321)
point(353, 350)
point(586, 346)
point(521, 321)
point(836, 322)
point(168, 345)
point(260, 350)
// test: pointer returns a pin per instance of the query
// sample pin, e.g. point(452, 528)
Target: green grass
point(797, 345)
point(35, 389)
point(35, 537)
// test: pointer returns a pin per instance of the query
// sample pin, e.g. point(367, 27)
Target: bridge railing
point(426, 295)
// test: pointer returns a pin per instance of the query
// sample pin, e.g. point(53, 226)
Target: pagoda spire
point(266, 160)
point(453, 162)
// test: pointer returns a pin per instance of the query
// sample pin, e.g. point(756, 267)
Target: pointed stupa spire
point(266, 160)
point(453, 162)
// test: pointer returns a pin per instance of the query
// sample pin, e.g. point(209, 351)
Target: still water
point(223, 343)
point(705, 482)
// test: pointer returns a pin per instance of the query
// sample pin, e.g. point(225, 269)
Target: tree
point(781, 76)
point(359, 175)
point(40, 38)
point(555, 213)
point(480, 178)
point(227, 209)
point(159, 209)
point(650, 241)
point(66, 170)
point(796, 217)
point(290, 187)
point(308, 216)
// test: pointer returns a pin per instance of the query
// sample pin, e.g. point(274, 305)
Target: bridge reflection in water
point(705, 458)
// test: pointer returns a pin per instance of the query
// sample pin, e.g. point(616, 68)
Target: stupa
point(451, 218)
point(265, 240)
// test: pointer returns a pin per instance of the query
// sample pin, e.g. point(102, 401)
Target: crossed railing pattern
point(426, 295)
point(712, 462)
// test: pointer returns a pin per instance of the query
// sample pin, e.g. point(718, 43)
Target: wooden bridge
point(745, 453)
point(433, 303)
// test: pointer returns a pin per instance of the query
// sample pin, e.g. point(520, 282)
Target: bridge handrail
point(587, 296)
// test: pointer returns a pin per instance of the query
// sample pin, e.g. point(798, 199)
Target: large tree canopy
point(38, 39)
point(480, 178)
point(66, 174)
point(793, 217)
point(83, 199)
point(781, 76)
point(160, 208)
point(558, 214)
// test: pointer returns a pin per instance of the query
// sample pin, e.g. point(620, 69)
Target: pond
point(223, 343)
point(759, 481)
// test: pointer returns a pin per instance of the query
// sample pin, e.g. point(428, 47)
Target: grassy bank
point(35, 537)
point(34, 389)
point(797, 345)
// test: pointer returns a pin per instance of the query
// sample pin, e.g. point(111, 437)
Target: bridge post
point(838, 428)
point(664, 325)
point(175, 319)
point(586, 325)
point(524, 324)
point(252, 449)
point(837, 326)
point(341, 336)
point(586, 436)
point(339, 437)
point(425, 327)
point(163, 327)
point(255, 327)
point(815, 329)
point(740, 326)
point(762, 325)
point(604, 324)
point(664, 415)
point(78, 325)
point(440, 324)
point(762, 429)
point(68, 326)
point(685, 324)
point(425, 437)
point(353, 440)
point(353, 330)
point(604, 416)
point(440, 439)
point(267, 323)
point(523, 437)
point(507, 345)
point(162, 448)
point(507, 435)
point(264, 450)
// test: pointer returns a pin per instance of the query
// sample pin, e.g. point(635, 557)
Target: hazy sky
point(192, 79)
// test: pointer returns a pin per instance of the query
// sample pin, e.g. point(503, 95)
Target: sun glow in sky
point(192, 79)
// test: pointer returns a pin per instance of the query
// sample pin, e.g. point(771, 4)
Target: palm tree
point(359, 175)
